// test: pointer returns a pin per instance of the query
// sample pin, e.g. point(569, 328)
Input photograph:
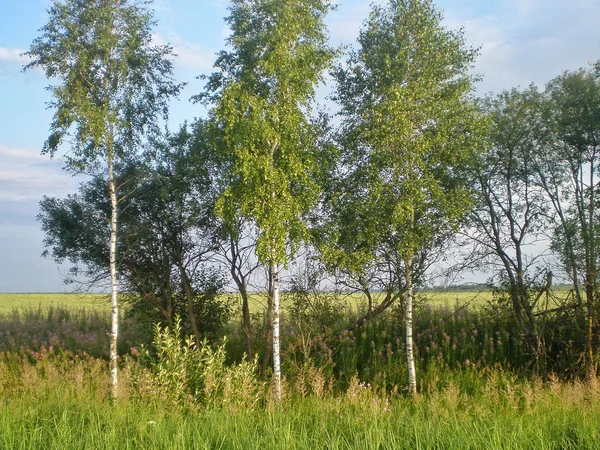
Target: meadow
point(10, 302)
point(342, 392)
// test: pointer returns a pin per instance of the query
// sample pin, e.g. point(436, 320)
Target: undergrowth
point(343, 389)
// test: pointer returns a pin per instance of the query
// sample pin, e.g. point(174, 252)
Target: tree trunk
point(268, 325)
point(247, 325)
point(114, 317)
point(276, 339)
point(591, 276)
point(240, 281)
point(590, 360)
point(187, 287)
point(412, 373)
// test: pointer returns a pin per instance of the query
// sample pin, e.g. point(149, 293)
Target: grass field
point(58, 403)
point(9, 302)
point(345, 393)
point(101, 302)
point(354, 302)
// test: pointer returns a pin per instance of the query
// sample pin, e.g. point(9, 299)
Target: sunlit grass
point(9, 302)
point(59, 403)
point(345, 392)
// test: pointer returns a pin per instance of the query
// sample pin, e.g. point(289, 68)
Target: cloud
point(189, 55)
point(11, 60)
point(529, 41)
point(527, 7)
point(26, 176)
point(13, 55)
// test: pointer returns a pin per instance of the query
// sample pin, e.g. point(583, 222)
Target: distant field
point(471, 299)
point(9, 302)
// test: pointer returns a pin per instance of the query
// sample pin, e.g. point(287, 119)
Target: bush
point(177, 372)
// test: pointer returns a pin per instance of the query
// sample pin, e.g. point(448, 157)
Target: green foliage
point(167, 225)
point(569, 166)
point(409, 128)
point(113, 82)
point(179, 373)
point(261, 95)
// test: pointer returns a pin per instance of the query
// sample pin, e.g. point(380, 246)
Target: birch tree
point(112, 87)
point(409, 125)
point(262, 93)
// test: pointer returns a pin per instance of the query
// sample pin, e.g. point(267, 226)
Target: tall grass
point(76, 330)
point(63, 403)
point(344, 390)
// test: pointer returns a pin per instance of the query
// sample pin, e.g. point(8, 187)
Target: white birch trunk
point(276, 340)
point(114, 317)
point(412, 374)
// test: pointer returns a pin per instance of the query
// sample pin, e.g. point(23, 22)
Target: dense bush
point(175, 371)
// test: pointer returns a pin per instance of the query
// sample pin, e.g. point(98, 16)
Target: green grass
point(9, 302)
point(54, 395)
point(61, 404)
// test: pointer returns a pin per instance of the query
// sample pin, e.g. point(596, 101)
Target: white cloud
point(27, 175)
point(19, 154)
point(530, 41)
point(12, 197)
point(189, 55)
point(526, 7)
point(13, 55)
point(11, 60)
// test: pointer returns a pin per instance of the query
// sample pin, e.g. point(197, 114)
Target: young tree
point(113, 86)
point(235, 251)
point(168, 234)
point(511, 210)
point(568, 171)
point(262, 95)
point(409, 126)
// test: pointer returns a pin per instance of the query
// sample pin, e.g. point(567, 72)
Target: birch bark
point(114, 314)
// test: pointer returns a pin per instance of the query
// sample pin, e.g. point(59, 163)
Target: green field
point(470, 299)
point(54, 390)
point(9, 302)
point(101, 302)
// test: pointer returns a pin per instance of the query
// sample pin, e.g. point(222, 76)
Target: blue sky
point(522, 42)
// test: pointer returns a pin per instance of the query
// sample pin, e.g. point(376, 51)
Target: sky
point(520, 41)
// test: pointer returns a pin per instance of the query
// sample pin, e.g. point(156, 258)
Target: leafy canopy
point(112, 82)
point(262, 93)
point(409, 126)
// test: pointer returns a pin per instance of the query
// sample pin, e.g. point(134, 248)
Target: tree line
point(411, 165)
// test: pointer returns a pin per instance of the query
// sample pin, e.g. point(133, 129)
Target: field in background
point(9, 302)
point(258, 301)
